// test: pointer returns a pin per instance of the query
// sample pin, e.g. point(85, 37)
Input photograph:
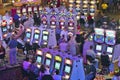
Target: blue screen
point(39, 59)
point(47, 62)
point(57, 65)
point(36, 36)
point(4, 29)
point(45, 38)
point(67, 69)
point(99, 38)
point(28, 35)
point(110, 40)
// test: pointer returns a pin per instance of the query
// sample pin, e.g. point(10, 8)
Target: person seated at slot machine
point(28, 47)
point(36, 19)
point(105, 62)
point(58, 31)
point(90, 54)
point(56, 76)
point(61, 39)
point(104, 26)
point(25, 66)
point(90, 70)
point(44, 73)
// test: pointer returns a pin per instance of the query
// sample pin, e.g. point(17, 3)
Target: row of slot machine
point(5, 26)
point(61, 21)
point(36, 35)
point(104, 41)
point(84, 6)
point(42, 36)
point(28, 9)
point(70, 67)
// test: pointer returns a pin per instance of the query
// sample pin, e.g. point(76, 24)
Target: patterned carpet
point(14, 73)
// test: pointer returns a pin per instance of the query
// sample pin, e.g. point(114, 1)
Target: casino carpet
point(14, 73)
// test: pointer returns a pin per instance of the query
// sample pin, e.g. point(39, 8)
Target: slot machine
point(39, 58)
point(45, 38)
point(48, 61)
point(70, 2)
point(36, 36)
point(85, 7)
point(78, 8)
point(53, 22)
point(40, 10)
point(71, 25)
point(4, 29)
point(62, 22)
point(99, 40)
point(73, 69)
point(44, 20)
point(19, 12)
point(35, 9)
point(29, 9)
point(28, 34)
point(24, 11)
point(110, 41)
point(11, 26)
point(58, 60)
point(92, 8)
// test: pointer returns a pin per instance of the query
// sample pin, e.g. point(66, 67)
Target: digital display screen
point(24, 10)
point(110, 40)
point(71, 24)
point(39, 59)
point(4, 29)
point(45, 37)
point(57, 65)
point(92, 10)
point(109, 49)
point(99, 38)
point(47, 62)
point(28, 35)
point(98, 47)
point(67, 69)
point(36, 36)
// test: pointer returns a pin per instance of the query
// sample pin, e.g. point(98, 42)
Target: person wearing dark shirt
point(12, 53)
point(90, 70)
point(2, 51)
point(105, 62)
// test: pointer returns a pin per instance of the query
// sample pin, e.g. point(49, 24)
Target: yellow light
point(28, 30)
point(58, 58)
point(67, 77)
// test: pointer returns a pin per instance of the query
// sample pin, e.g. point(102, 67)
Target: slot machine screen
point(67, 69)
point(45, 37)
point(47, 62)
point(109, 49)
point(28, 35)
point(39, 59)
point(92, 10)
point(57, 65)
point(36, 36)
point(4, 29)
point(98, 47)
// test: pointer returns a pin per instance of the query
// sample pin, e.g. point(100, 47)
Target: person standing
point(2, 51)
point(12, 52)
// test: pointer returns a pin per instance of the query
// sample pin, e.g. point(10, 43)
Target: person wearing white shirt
point(63, 46)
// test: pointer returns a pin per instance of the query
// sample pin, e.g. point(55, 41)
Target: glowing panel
point(58, 58)
point(48, 55)
point(39, 52)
